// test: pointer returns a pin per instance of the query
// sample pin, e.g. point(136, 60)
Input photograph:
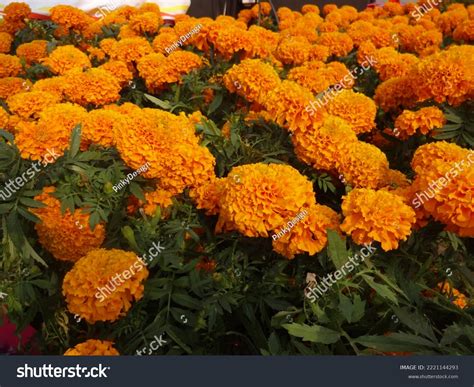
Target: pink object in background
point(9, 341)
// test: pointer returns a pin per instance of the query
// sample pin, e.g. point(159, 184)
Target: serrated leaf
point(382, 290)
point(75, 141)
point(337, 249)
point(313, 333)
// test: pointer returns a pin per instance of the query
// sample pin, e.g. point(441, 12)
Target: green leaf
point(382, 290)
point(416, 322)
point(31, 203)
point(352, 312)
point(314, 333)
point(158, 102)
point(406, 343)
point(137, 191)
point(186, 300)
point(75, 141)
point(337, 249)
point(216, 102)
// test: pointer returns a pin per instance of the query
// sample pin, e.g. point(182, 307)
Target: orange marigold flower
point(93, 348)
point(10, 66)
point(97, 127)
point(94, 87)
point(30, 104)
point(15, 12)
point(60, 234)
point(251, 79)
point(130, 50)
point(310, 8)
point(328, 8)
point(70, 17)
point(88, 287)
point(376, 216)
point(207, 195)
point(231, 40)
point(465, 31)
point(339, 43)
point(52, 131)
point(328, 27)
point(158, 198)
point(146, 23)
point(5, 42)
point(424, 120)
point(356, 108)
point(279, 191)
point(288, 105)
point(395, 92)
point(263, 8)
point(53, 85)
point(10, 86)
point(389, 63)
point(321, 146)
point(309, 235)
point(66, 58)
point(33, 52)
point(293, 50)
point(119, 71)
point(164, 41)
point(363, 165)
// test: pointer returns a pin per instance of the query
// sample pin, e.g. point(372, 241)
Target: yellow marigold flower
point(169, 144)
point(376, 216)
point(279, 192)
point(293, 50)
point(30, 104)
point(363, 165)
point(10, 66)
point(88, 287)
point(207, 196)
point(97, 127)
point(94, 87)
point(52, 131)
point(339, 43)
point(10, 86)
point(146, 23)
point(309, 235)
point(455, 296)
point(93, 348)
point(130, 50)
point(119, 71)
point(16, 11)
point(289, 106)
point(424, 120)
point(70, 17)
point(67, 236)
point(5, 42)
point(356, 108)
point(251, 79)
point(33, 51)
point(321, 146)
point(54, 85)
point(66, 58)
point(158, 198)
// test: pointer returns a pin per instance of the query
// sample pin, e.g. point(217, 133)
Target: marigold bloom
point(456, 297)
point(10, 86)
point(67, 236)
point(207, 195)
point(70, 17)
point(10, 66)
point(29, 104)
point(15, 12)
point(93, 348)
point(157, 198)
point(279, 192)
point(293, 50)
point(389, 63)
point(146, 23)
point(97, 127)
point(5, 42)
point(52, 131)
point(363, 165)
point(339, 43)
point(376, 216)
point(33, 52)
point(94, 87)
point(88, 287)
point(54, 85)
point(395, 92)
point(119, 71)
point(356, 108)
point(251, 79)
point(310, 234)
point(424, 120)
point(66, 58)
point(130, 50)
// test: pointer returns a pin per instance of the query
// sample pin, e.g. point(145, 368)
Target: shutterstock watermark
point(11, 185)
point(336, 89)
point(312, 291)
point(152, 347)
point(48, 371)
point(458, 168)
point(419, 11)
point(119, 279)
point(292, 223)
point(132, 175)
